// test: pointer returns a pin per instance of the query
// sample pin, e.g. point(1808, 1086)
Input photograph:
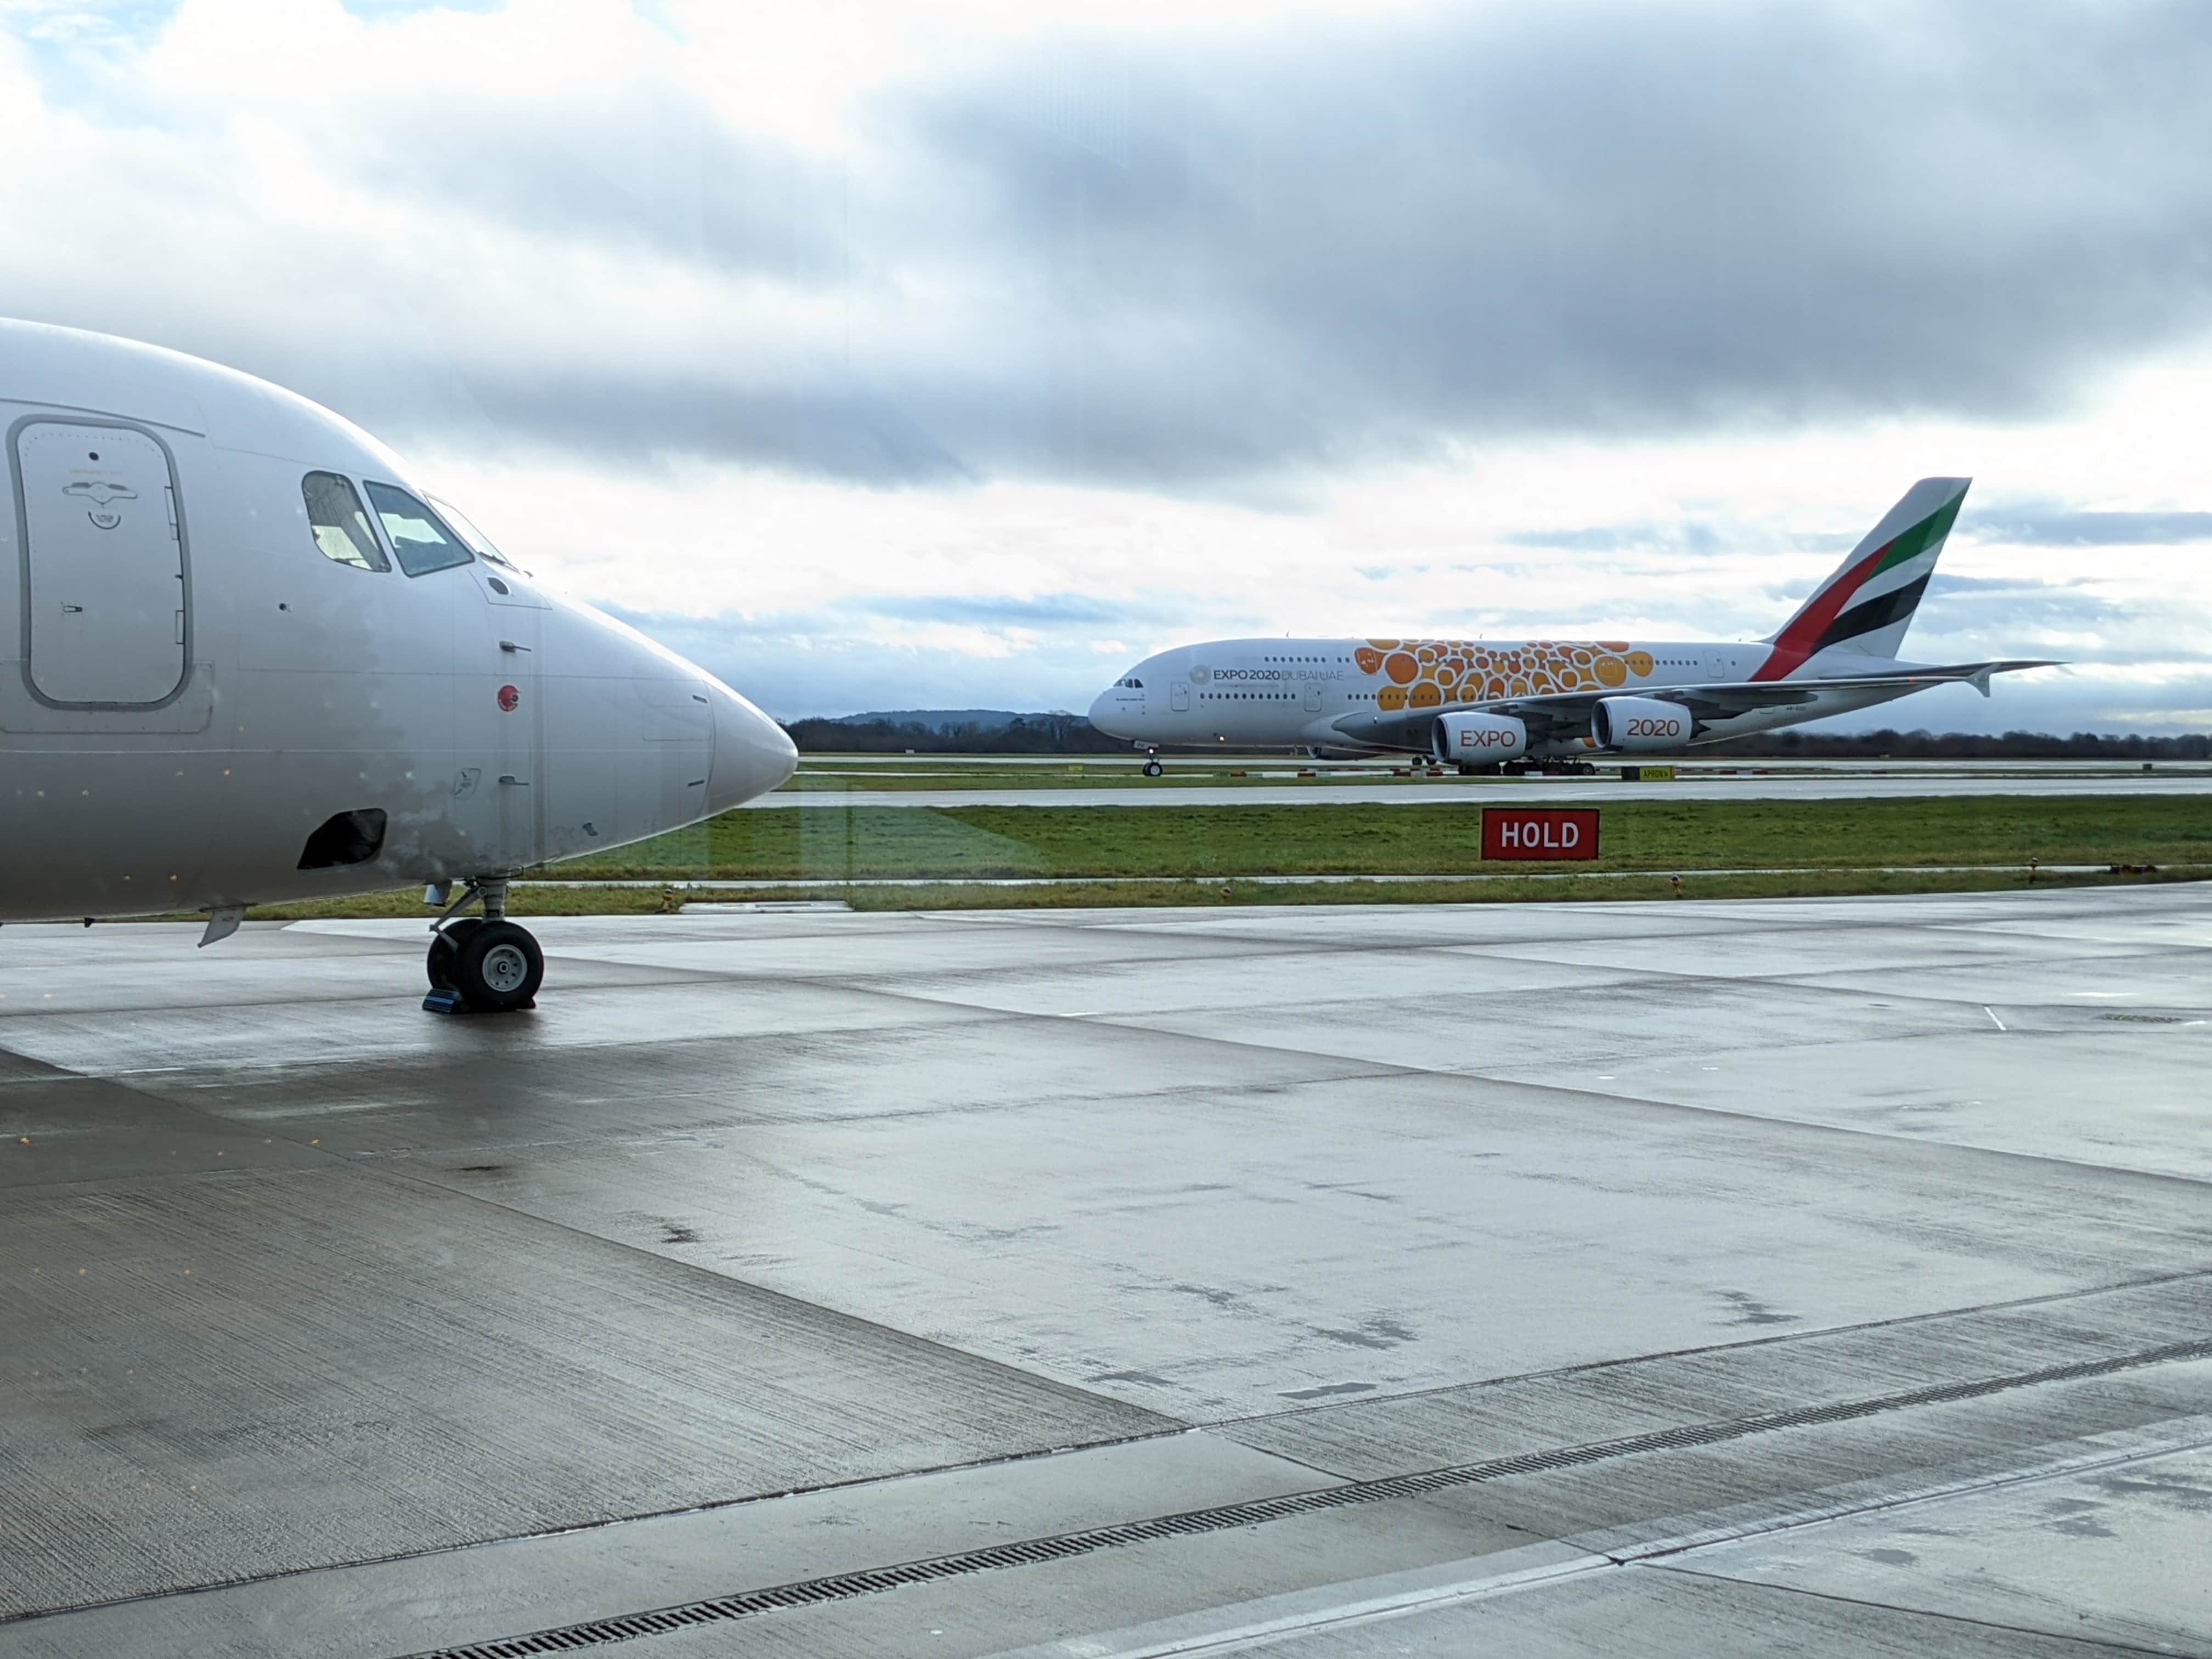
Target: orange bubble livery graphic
point(1440, 673)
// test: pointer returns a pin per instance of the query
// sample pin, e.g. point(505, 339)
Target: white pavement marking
point(1270, 1619)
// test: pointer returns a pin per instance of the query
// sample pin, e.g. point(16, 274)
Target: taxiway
point(1697, 1277)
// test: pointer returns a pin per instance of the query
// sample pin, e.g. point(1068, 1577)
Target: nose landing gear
point(482, 965)
point(1152, 767)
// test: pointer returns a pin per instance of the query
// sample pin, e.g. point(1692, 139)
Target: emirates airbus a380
point(245, 658)
point(1480, 704)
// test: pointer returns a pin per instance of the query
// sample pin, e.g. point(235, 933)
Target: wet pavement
point(1684, 1277)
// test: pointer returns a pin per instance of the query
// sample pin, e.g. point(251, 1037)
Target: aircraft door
point(104, 572)
point(1313, 697)
point(1179, 699)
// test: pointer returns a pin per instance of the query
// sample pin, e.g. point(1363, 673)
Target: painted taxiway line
point(1268, 1619)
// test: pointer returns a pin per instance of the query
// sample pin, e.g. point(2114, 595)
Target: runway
point(1683, 1277)
point(1842, 786)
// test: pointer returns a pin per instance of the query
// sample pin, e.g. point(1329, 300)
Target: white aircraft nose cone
point(752, 754)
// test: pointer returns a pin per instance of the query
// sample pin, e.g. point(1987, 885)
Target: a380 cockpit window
point(418, 535)
point(340, 524)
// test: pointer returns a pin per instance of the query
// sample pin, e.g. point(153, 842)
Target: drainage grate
point(844, 1586)
point(2148, 1020)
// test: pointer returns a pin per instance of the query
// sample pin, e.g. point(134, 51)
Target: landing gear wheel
point(446, 947)
point(498, 968)
point(1153, 768)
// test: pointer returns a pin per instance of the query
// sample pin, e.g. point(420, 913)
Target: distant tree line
point(1964, 746)
point(1072, 734)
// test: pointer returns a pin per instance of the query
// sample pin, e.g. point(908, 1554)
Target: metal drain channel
point(839, 1587)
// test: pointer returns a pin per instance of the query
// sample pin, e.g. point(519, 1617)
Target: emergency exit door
point(104, 564)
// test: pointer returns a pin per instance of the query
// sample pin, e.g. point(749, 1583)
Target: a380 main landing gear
point(486, 965)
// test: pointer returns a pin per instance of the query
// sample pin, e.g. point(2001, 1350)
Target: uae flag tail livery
point(1864, 608)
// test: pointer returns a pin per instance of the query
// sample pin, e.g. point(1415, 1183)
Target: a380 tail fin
point(1865, 607)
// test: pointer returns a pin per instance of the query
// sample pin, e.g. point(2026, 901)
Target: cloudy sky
point(892, 355)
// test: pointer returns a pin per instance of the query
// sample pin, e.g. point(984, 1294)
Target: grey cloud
point(1601, 220)
point(1689, 535)
point(798, 663)
point(2058, 528)
point(1207, 267)
point(2018, 614)
point(1050, 609)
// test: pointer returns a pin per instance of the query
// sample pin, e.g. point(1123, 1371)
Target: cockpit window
point(418, 535)
point(338, 524)
point(1132, 683)
point(479, 544)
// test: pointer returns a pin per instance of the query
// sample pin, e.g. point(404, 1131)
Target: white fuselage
point(191, 688)
point(1295, 693)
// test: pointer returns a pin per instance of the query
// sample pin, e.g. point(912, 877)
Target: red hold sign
point(1540, 832)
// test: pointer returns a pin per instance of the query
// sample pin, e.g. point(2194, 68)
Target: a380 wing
point(1566, 714)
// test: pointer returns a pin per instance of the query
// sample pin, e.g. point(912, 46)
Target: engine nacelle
point(1630, 724)
point(1471, 739)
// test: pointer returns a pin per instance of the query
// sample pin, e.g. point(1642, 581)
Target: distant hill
point(954, 732)
point(937, 720)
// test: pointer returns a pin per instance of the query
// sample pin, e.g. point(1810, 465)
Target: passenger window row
point(343, 532)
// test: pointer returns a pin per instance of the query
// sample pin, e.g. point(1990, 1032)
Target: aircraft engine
point(1631, 724)
point(1470, 739)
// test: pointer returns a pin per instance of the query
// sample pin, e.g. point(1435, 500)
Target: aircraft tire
point(499, 968)
point(446, 947)
point(1153, 768)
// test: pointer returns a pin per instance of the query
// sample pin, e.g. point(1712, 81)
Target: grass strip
point(879, 842)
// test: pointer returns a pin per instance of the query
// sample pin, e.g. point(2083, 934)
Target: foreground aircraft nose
point(752, 754)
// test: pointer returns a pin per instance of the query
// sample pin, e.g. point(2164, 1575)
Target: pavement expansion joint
point(1256, 1512)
